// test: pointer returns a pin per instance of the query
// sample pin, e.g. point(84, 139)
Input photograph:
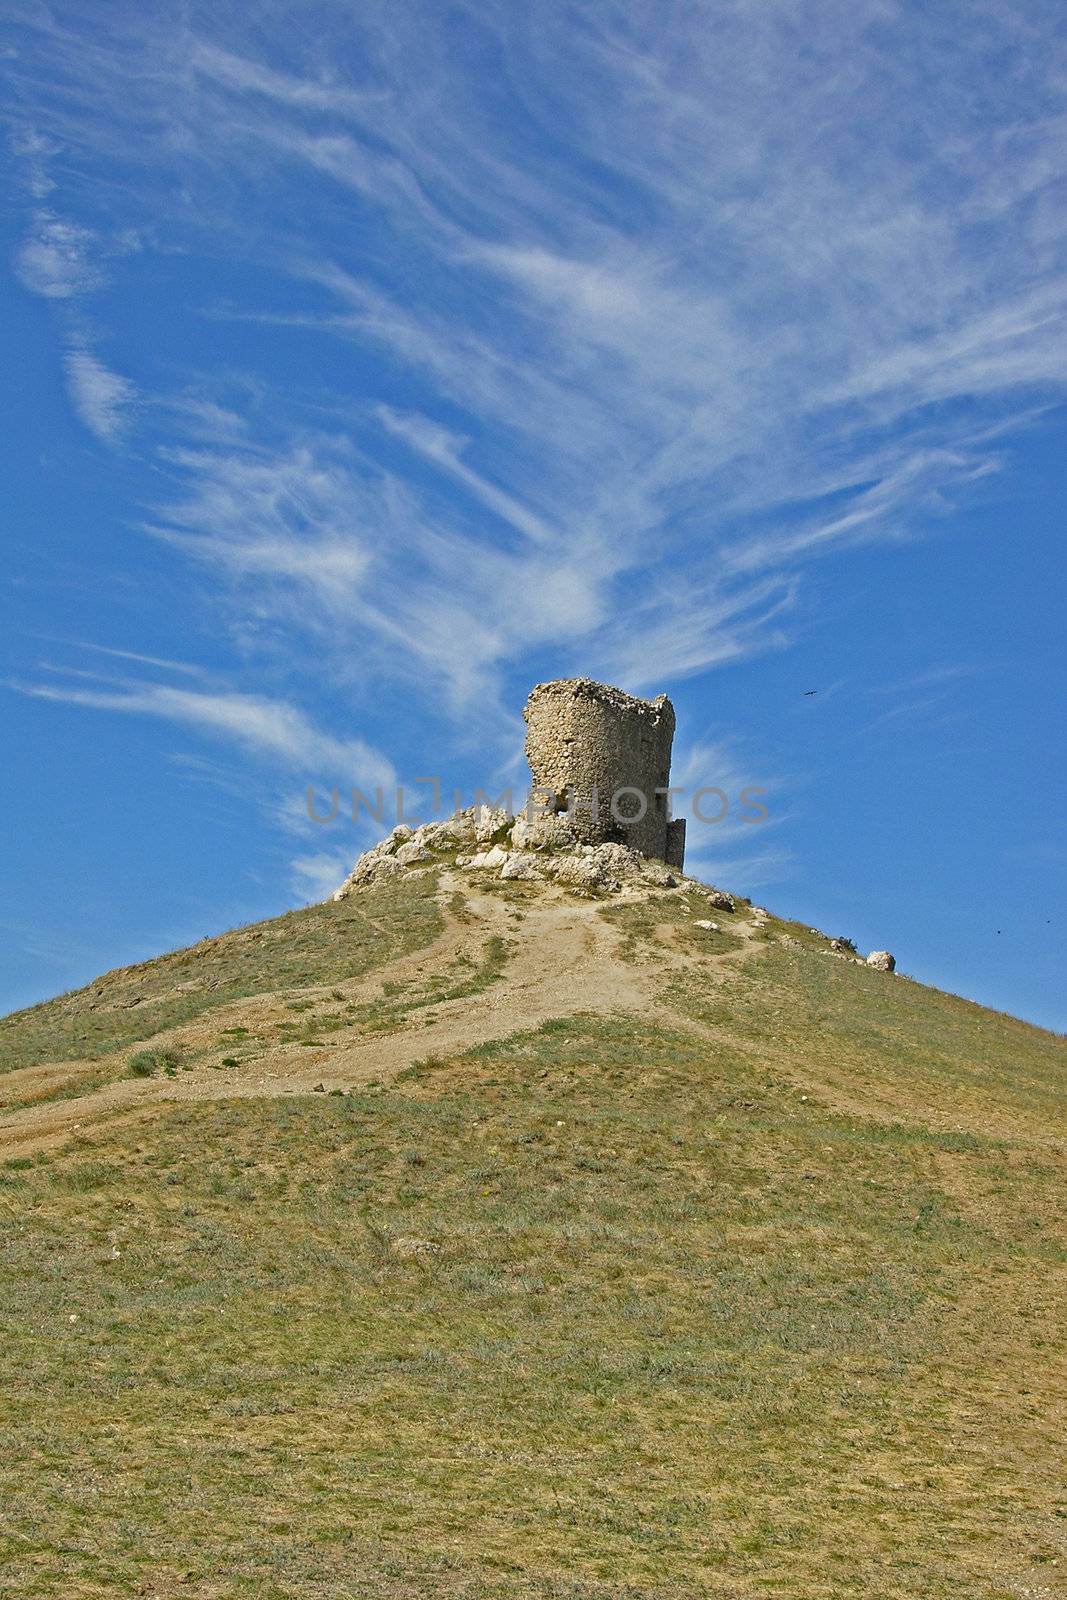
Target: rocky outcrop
point(405, 848)
point(547, 849)
point(480, 840)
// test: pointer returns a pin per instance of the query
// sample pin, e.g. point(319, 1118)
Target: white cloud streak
point(101, 398)
point(56, 258)
point(164, 663)
point(272, 729)
point(315, 875)
point(645, 308)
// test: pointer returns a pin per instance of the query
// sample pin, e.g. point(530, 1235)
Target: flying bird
point(810, 691)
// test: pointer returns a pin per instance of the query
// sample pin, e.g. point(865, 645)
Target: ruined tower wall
point(586, 736)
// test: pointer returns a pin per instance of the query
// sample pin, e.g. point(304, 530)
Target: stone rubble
point(719, 900)
point(545, 849)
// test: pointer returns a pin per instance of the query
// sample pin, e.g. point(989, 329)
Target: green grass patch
point(926, 1050)
point(146, 1063)
point(317, 945)
point(596, 1310)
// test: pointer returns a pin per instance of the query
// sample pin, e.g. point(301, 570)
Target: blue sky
point(366, 366)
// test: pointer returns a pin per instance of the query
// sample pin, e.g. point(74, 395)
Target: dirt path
point(565, 961)
point(565, 958)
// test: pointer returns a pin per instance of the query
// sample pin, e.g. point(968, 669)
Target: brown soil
point(565, 959)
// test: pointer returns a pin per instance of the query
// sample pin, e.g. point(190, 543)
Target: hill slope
point(472, 1238)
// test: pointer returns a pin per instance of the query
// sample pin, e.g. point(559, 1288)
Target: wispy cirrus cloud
point(632, 313)
point(294, 517)
point(102, 398)
point(34, 152)
point(314, 875)
point(264, 727)
point(929, 693)
point(238, 73)
point(164, 663)
point(57, 258)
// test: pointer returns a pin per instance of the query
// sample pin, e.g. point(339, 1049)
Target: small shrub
point(846, 944)
point(145, 1063)
point(230, 1061)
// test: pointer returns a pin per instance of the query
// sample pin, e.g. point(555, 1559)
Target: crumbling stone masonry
point(584, 738)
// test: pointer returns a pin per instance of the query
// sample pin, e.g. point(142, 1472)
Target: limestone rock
point(882, 961)
point(719, 900)
point(658, 876)
point(373, 867)
point(616, 858)
point(488, 821)
point(577, 872)
point(411, 852)
point(446, 835)
point(545, 848)
point(605, 867)
point(547, 832)
point(485, 860)
point(711, 927)
point(519, 865)
point(400, 835)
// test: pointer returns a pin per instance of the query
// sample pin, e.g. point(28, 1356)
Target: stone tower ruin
point(586, 739)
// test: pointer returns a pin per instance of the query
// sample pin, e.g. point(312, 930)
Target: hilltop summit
point(529, 1218)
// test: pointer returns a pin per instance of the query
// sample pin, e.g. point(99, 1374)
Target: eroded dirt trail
point(563, 958)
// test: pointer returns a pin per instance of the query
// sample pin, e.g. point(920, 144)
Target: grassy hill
point(475, 1239)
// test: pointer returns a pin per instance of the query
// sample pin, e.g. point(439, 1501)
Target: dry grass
point(319, 945)
point(758, 1301)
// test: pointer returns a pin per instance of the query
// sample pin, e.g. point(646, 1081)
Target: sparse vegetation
point(145, 1063)
point(645, 922)
point(321, 944)
point(756, 1295)
point(695, 1272)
